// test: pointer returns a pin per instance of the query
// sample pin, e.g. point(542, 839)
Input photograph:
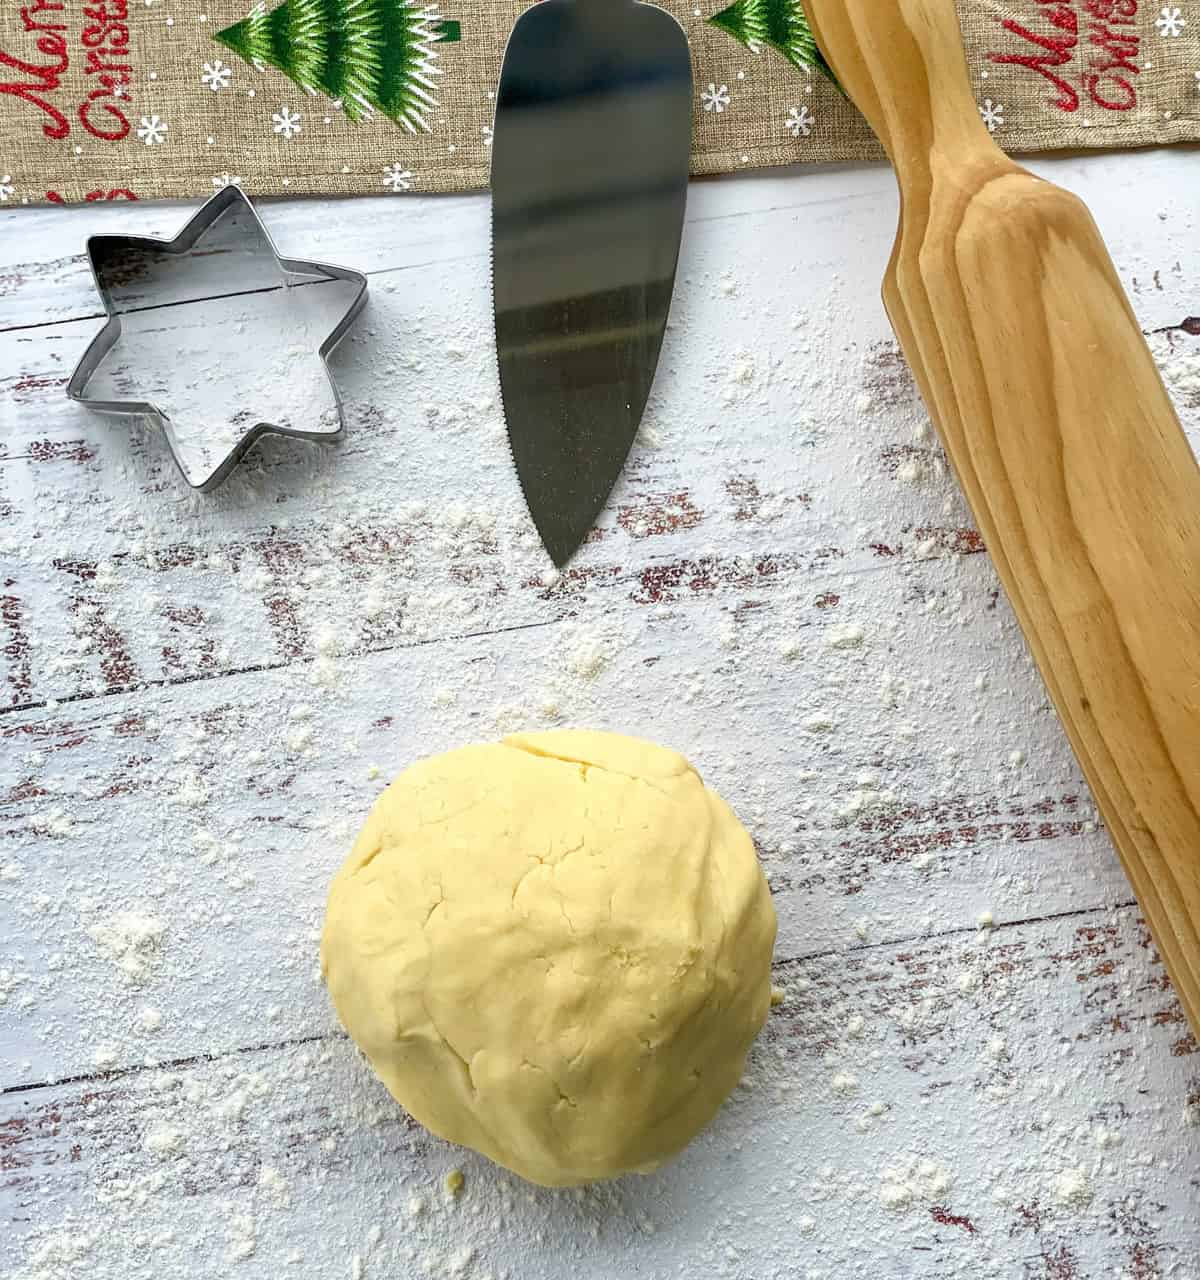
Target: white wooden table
point(200, 697)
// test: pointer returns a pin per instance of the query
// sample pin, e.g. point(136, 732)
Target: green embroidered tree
point(371, 55)
point(779, 23)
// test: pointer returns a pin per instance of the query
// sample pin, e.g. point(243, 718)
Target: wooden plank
point(44, 277)
point(170, 848)
point(747, 454)
point(42, 284)
point(419, 508)
point(895, 1120)
point(50, 285)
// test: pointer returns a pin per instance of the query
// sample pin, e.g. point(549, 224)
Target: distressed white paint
point(233, 670)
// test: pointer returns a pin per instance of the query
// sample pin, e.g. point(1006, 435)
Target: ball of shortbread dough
point(555, 949)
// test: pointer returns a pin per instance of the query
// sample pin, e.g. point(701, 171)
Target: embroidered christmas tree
point(369, 55)
point(778, 23)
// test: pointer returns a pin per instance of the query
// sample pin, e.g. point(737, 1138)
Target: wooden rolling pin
point(1053, 414)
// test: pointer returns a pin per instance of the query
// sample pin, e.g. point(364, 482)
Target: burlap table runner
point(139, 99)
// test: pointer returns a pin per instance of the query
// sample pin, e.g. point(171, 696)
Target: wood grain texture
point(249, 865)
point(297, 1148)
point(199, 698)
point(1059, 428)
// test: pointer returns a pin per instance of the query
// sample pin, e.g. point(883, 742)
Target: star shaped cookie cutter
point(115, 260)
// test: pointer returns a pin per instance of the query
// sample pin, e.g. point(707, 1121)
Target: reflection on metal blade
point(589, 184)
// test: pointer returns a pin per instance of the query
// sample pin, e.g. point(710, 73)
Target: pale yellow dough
point(555, 950)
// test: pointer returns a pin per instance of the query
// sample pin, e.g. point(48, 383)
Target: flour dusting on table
point(974, 1066)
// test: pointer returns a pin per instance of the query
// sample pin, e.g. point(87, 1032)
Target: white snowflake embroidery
point(152, 130)
point(799, 122)
point(6, 187)
point(286, 122)
point(992, 114)
point(1170, 22)
point(715, 99)
point(226, 180)
point(397, 178)
point(216, 75)
point(488, 135)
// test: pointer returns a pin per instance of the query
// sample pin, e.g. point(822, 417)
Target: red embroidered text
point(41, 79)
point(1082, 47)
point(104, 41)
point(117, 193)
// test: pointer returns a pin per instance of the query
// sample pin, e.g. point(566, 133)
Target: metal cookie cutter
point(137, 276)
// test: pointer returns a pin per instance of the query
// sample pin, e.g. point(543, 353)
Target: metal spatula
point(589, 184)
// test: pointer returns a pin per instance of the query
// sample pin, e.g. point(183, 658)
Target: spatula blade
point(589, 186)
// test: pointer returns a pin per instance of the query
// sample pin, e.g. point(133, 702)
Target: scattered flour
point(9, 982)
point(193, 792)
point(164, 1141)
point(587, 658)
point(275, 1186)
point(1182, 376)
point(866, 797)
point(236, 1157)
point(149, 1019)
point(1072, 1188)
point(242, 1237)
point(818, 724)
point(460, 1261)
point(54, 822)
point(132, 942)
point(914, 1183)
point(848, 635)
